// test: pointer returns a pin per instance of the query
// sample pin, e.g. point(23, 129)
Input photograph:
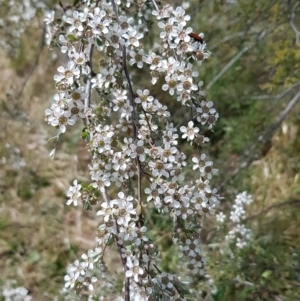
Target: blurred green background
point(252, 76)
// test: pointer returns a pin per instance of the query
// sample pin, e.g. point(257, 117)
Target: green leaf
point(71, 38)
point(138, 209)
point(75, 2)
point(99, 42)
point(87, 206)
point(182, 288)
point(266, 274)
point(33, 257)
point(165, 298)
point(84, 186)
point(110, 242)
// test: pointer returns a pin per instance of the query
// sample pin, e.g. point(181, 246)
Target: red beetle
point(196, 37)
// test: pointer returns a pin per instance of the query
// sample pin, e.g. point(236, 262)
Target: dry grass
point(276, 184)
point(39, 235)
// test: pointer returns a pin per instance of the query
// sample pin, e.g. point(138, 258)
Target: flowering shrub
point(14, 18)
point(11, 293)
point(136, 163)
point(238, 232)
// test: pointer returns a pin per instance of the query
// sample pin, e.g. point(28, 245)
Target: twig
point(35, 64)
point(163, 237)
point(247, 283)
point(227, 67)
point(87, 101)
point(155, 5)
point(278, 96)
point(127, 282)
point(233, 60)
point(243, 161)
point(293, 26)
point(290, 202)
point(133, 114)
point(287, 109)
point(120, 246)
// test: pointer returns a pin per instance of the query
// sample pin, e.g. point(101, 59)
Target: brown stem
point(127, 283)
point(88, 87)
point(133, 115)
point(290, 202)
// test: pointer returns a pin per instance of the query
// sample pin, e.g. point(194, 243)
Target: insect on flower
point(196, 37)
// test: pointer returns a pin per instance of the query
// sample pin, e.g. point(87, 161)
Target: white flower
point(132, 37)
point(154, 194)
point(158, 168)
point(184, 211)
point(74, 193)
point(128, 233)
point(188, 71)
point(171, 83)
point(79, 58)
point(90, 258)
point(67, 73)
point(70, 280)
point(137, 58)
point(65, 45)
point(138, 150)
point(191, 247)
point(102, 182)
point(206, 108)
point(88, 281)
point(170, 66)
point(182, 34)
point(134, 270)
point(62, 121)
point(74, 109)
point(176, 173)
point(100, 24)
point(189, 131)
point(180, 16)
point(153, 60)
point(143, 96)
point(123, 209)
point(119, 99)
point(164, 12)
point(205, 167)
point(169, 153)
point(154, 76)
point(199, 163)
point(166, 280)
point(169, 135)
point(107, 211)
point(125, 23)
point(141, 236)
point(186, 84)
point(76, 21)
point(220, 217)
point(168, 29)
point(78, 95)
point(107, 76)
point(78, 268)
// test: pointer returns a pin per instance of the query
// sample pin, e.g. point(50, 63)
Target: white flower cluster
point(79, 273)
point(11, 159)
point(15, 294)
point(239, 232)
point(190, 249)
point(17, 16)
point(130, 137)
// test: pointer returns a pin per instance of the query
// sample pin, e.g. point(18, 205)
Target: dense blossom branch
point(129, 135)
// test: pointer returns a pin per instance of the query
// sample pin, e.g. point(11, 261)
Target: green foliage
point(34, 226)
